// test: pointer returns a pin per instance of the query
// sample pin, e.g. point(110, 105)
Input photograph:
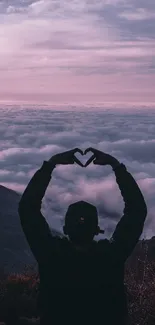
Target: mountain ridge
point(14, 249)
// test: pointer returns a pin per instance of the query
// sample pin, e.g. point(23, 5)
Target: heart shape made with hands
point(83, 160)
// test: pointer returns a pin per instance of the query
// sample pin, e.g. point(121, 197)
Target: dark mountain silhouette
point(14, 250)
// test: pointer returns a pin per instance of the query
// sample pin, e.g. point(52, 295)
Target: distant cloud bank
point(30, 136)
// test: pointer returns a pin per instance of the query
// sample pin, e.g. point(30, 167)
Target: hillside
point(14, 250)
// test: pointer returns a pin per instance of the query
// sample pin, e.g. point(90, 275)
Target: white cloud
point(29, 137)
point(137, 15)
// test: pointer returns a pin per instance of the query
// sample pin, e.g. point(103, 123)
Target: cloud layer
point(57, 51)
point(30, 136)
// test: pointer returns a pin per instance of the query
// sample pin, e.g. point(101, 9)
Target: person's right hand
point(101, 158)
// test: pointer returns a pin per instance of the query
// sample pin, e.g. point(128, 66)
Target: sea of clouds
point(30, 136)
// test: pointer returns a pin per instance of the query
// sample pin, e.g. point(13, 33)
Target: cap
point(82, 212)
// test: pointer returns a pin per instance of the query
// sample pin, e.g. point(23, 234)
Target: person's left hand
point(66, 158)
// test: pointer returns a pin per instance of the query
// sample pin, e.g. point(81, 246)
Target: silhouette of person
point(11, 317)
point(82, 280)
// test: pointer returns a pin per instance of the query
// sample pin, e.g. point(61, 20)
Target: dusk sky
point(77, 51)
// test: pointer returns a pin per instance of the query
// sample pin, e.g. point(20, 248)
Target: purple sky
point(77, 51)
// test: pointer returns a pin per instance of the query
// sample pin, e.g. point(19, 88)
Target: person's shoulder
point(108, 249)
point(61, 241)
point(103, 244)
point(108, 243)
point(59, 244)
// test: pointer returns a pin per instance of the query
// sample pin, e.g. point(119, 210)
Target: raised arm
point(130, 226)
point(34, 225)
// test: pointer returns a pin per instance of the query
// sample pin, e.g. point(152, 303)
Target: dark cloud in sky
point(75, 46)
point(134, 19)
point(28, 137)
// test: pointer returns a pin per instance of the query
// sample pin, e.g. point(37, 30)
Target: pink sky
point(77, 51)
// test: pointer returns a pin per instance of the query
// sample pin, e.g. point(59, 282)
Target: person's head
point(81, 223)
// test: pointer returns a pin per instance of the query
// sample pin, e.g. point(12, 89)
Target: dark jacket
point(78, 287)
